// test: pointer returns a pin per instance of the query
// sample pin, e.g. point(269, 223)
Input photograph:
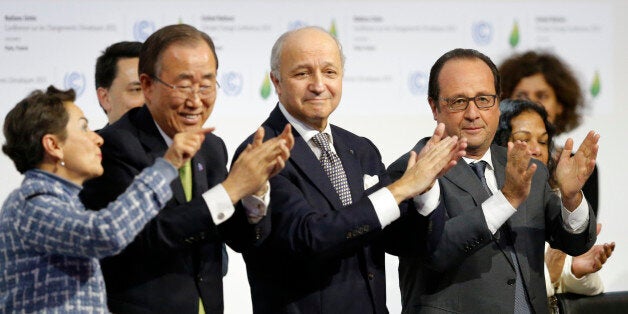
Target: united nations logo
point(76, 81)
point(417, 83)
point(143, 29)
point(231, 83)
point(296, 25)
point(482, 32)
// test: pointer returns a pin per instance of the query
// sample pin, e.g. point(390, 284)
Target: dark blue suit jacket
point(177, 258)
point(320, 257)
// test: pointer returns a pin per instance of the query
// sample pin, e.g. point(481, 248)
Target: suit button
point(370, 276)
point(511, 282)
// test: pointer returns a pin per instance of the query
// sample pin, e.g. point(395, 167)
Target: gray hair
point(275, 54)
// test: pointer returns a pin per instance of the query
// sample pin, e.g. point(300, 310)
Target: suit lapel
point(156, 147)
point(351, 165)
point(462, 176)
point(302, 158)
point(199, 175)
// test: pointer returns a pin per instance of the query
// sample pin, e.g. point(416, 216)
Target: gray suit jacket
point(466, 270)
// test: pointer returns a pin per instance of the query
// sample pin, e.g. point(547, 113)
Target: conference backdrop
point(389, 49)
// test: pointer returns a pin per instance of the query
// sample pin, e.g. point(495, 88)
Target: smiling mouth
point(190, 118)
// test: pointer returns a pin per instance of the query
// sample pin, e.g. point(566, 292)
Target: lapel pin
point(200, 166)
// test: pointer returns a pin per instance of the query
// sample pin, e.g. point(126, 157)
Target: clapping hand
point(573, 171)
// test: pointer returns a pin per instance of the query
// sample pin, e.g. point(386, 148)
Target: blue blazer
point(319, 256)
point(177, 258)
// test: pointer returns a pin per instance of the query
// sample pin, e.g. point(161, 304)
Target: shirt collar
point(486, 157)
point(163, 134)
point(305, 130)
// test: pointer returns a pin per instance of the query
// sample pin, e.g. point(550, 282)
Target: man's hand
point(519, 173)
point(573, 171)
point(437, 157)
point(184, 146)
point(258, 162)
point(592, 260)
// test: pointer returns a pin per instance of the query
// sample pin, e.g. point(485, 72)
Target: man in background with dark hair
point(117, 80)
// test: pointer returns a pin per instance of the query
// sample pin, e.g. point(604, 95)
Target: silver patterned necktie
point(333, 168)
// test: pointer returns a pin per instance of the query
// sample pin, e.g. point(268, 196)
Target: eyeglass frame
point(468, 101)
point(191, 91)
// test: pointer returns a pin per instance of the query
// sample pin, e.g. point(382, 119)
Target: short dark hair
point(26, 124)
point(107, 63)
point(163, 38)
point(433, 89)
point(557, 74)
point(512, 108)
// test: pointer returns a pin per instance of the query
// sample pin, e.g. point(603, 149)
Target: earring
point(62, 163)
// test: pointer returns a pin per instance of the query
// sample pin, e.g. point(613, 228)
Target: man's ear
point(103, 99)
point(275, 81)
point(147, 84)
point(52, 146)
point(434, 107)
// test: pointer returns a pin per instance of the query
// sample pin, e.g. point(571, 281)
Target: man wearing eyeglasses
point(175, 265)
point(495, 210)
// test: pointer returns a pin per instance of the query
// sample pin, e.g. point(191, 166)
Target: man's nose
point(317, 84)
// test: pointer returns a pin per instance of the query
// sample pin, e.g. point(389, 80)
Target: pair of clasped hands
point(250, 172)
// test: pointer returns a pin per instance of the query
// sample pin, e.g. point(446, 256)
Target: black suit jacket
point(176, 259)
point(321, 257)
point(466, 270)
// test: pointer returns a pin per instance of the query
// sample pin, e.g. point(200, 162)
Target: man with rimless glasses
point(175, 265)
point(490, 215)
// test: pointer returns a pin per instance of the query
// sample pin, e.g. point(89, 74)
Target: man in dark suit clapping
point(332, 203)
point(175, 265)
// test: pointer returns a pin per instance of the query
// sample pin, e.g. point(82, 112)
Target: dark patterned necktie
point(479, 167)
point(333, 168)
point(521, 301)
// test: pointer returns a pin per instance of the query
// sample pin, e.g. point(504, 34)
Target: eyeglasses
point(188, 91)
point(483, 102)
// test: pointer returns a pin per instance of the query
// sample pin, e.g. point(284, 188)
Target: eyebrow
point(528, 132)
point(186, 76)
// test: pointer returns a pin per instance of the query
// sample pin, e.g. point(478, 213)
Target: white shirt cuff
point(219, 204)
point(385, 206)
point(426, 203)
point(577, 221)
point(256, 206)
point(497, 210)
point(590, 284)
